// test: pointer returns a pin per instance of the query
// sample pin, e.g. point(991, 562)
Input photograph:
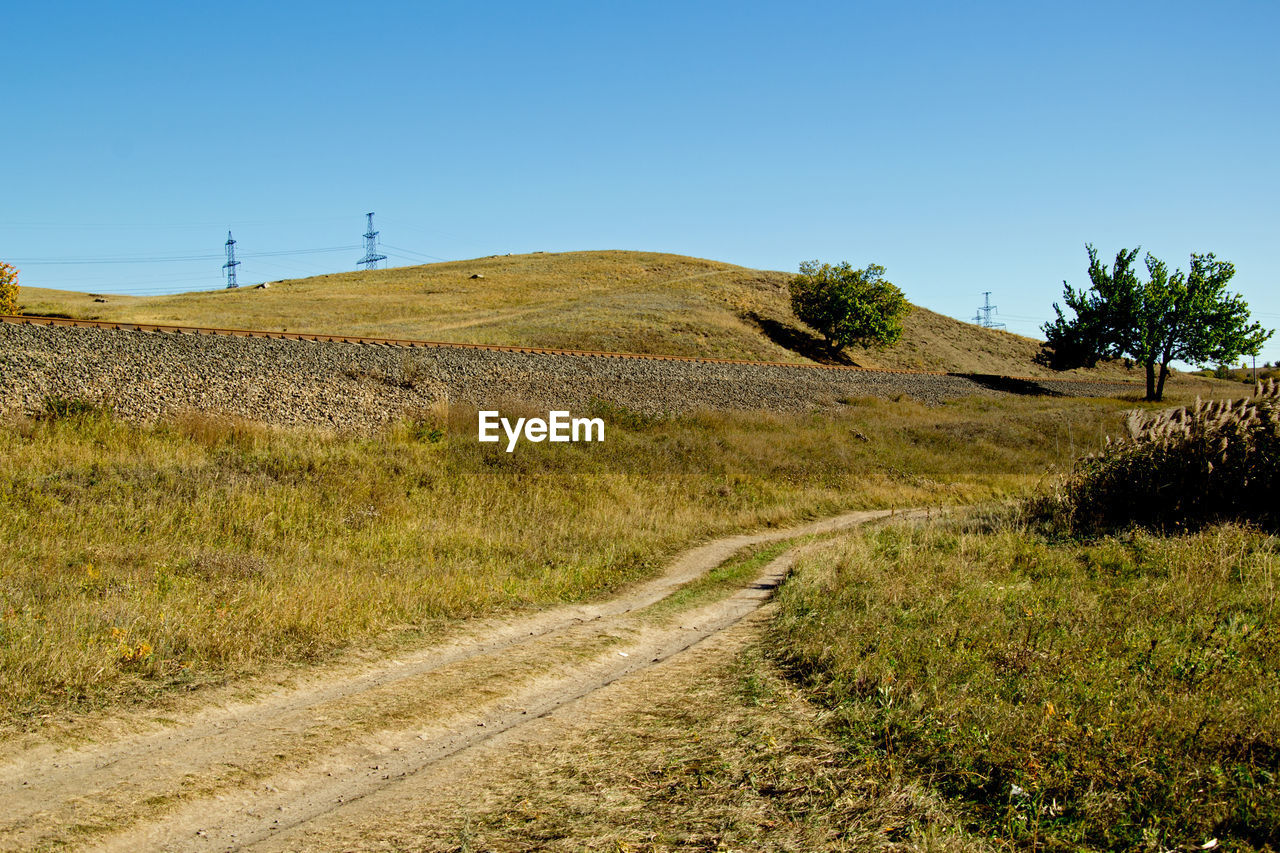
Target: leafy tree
point(1180, 316)
point(8, 289)
point(848, 306)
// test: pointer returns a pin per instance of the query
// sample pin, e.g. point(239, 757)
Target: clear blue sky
point(965, 146)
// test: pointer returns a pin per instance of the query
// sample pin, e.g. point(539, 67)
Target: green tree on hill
point(1170, 317)
point(8, 289)
point(848, 306)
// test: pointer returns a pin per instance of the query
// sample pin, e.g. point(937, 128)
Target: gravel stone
point(358, 387)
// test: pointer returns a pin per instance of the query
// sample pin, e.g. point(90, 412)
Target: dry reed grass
point(1188, 465)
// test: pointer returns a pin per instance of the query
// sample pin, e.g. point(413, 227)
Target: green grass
point(144, 558)
point(1117, 693)
point(733, 574)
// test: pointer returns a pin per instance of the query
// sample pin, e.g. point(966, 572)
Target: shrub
point(849, 306)
point(8, 289)
point(1183, 467)
point(70, 408)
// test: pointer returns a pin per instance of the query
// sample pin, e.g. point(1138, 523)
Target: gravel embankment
point(145, 375)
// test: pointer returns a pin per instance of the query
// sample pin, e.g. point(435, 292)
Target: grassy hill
point(608, 300)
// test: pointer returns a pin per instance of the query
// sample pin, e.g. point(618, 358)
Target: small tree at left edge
point(8, 289)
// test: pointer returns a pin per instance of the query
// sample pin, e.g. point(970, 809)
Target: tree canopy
point(848, 306)
point(1170, 317)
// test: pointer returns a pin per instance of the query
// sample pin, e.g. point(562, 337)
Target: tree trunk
point(1151, 381)
point(1164, 374)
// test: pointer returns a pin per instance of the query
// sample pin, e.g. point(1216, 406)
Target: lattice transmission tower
point(371, 256)
point(983, 317)
point(232, 263)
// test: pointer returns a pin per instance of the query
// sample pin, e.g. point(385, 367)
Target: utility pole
point(371, 256)
point(983, 317)
point(232, 263)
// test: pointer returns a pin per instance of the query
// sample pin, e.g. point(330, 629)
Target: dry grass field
point(151, 557)
point(1096, 670)
point(614, 300)
point(992, 680)
point(1116, 693)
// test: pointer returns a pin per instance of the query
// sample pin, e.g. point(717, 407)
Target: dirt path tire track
point(229, 777)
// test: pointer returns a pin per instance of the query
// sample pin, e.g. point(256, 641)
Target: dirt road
point(254, 774)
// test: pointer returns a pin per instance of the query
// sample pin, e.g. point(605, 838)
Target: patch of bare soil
point(349, 749)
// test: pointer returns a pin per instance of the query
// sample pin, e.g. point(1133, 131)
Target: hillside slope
point(603, 300)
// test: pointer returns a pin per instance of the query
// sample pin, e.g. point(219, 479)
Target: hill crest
point(614, 300)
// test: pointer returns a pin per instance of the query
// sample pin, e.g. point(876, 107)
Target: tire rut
point(230, 777)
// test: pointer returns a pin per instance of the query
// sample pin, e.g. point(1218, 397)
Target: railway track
point(418, 344)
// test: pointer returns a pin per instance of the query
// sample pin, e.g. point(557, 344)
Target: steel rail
point(31, 320)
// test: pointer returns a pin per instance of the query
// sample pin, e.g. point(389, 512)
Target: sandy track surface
point(250, 774)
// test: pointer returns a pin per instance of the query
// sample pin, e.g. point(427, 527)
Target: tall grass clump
point(1181, 467)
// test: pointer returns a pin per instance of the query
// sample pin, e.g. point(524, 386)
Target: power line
point(1024, 317)
point(114, 260)
point(169, 226)
point(295, 266)
point(166, 259)
point(412, 253)
point(157, 290)
point(346, 248)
